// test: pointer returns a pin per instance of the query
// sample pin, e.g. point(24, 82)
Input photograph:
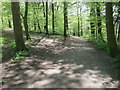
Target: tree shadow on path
point(53, 63)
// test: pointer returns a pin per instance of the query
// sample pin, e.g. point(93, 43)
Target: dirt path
point(53, 63)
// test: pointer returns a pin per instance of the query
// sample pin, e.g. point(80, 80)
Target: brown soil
point(55, 63)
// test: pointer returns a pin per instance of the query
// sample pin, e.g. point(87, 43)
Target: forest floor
point(55, 63)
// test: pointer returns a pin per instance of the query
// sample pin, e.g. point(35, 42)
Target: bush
point(100, 43)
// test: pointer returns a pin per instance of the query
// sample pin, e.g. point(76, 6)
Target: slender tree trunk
point(9, 23)
point(44, 15)
point(78, 21)
point(47, 17)
point(20, 45)
point(39, 28)
point(81, 22)
point(65, 19)
point(92, 22)
point(35, 28)
point(25, 21)
point(118, 38)
point(110, 30)
point(53, 18)
point(99, 22)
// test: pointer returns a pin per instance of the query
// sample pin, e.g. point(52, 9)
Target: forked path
point(54, 63)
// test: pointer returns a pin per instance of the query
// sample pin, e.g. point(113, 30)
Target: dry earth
point(54, 63)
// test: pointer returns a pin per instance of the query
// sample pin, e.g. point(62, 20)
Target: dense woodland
point(98, 22)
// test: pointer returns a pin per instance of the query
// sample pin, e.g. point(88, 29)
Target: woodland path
point(54, 63)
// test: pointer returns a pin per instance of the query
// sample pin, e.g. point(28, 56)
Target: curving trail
point(54, 63)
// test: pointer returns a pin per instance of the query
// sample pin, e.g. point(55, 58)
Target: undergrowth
point(19, 56)
point(103, 45)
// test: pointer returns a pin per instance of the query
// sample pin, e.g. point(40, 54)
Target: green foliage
point(2, 82)
point(8, 41)
point(19, 56)
point(13, 45)
point(100, 44)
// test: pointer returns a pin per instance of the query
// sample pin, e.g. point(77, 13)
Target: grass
point(103, 45)
point(6, 41)
point(98, 42)
point(19, 56)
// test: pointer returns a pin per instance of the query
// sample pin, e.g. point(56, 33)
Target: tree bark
point(35, 27)
point(81, 22)
point(44, 15)
point(53, 18)
point(20, 45)
point(39, 27)
point(9, 23)
point(25, 21)
point(118, 38)
point(78, 21)
point(92, 23)
point(47, 17)
point(65, 19)
point(99, 22)
point(110, 30)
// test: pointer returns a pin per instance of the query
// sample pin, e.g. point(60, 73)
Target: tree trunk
point(39, 26)
point(9, 23)
point(35, 27)
point(118, 38)
point(25, 21)
point(44, 14)
point(20, 45)
point(99, 23)
point(46, 17)
point(78, 21)
point(92, 23)
point(110, 30)
point(53, 18)
point(81, 22)
point(65, 19)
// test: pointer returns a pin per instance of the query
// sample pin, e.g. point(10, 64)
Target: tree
point(99, 22)
point(118, 22)
point(111, 40)
point(35, 17)
point(9, 22)
point(44, 14)
point(92, 22)
point(20, 45)
point(78, 20)
point(47, 17)
point(81, 21)
point(65, 19)
point(25, 21)
point(118, 38)
point(53, 18)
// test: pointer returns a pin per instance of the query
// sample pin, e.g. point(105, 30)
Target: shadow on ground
point(55, 63)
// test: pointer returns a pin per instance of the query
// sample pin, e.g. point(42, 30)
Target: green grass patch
point(19, 56)
point(98, 42)
point(5, 41)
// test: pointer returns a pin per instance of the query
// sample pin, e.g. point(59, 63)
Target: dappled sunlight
point(52, 71)
point(41, 83)
point(49, 42)
point(68, 65)
point(93, 78)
